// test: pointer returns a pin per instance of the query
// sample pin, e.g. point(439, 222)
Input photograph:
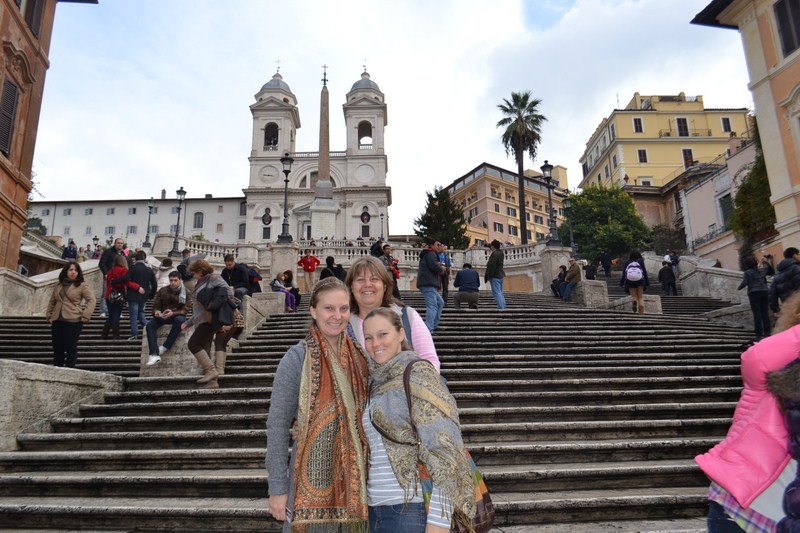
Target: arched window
point(243, 209)
point(198, 220)
point(364, 135)
point(303, 183)
point(271, 137)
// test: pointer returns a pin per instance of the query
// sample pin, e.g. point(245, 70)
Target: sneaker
point(103, 315)
point(161, 350)
point(153, 360)
point(133, 338)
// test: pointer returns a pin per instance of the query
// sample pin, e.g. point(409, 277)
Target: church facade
point(351, 201)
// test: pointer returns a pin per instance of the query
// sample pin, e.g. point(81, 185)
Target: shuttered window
point(787, 17)
point(33, 15)
point(8, 112)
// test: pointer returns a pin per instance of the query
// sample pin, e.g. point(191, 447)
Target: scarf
point(330, 464)
point(440, 446)
point(182, 291)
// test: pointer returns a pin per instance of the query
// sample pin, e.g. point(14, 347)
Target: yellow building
point(488, 196)
point(770, 31)
point(655, 138)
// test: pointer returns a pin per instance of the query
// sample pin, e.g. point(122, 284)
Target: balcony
point(684, 133)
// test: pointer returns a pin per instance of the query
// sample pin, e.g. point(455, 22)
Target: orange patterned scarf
point(330, 465)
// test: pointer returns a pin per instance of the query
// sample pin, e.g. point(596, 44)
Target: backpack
point(633, 272)
point(253, 276)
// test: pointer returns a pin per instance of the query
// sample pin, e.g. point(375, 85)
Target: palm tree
point(523, 124)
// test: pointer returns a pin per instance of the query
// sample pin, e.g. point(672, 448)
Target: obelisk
point(323, 209)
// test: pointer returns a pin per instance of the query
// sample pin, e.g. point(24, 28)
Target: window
point(154, 229)
point(613, 132)
point(109, 211)
point(220, 208)
point(726, 209)
point(676, 197)
point(642, 154)
point(271, 137)
point(242, 231)
point(243, 209)
point(473, 212)
point(32, 11)
point(365, 231)
point(88, 211)
point(131, 210)
point(266, 233)
point(110, 230)
point(8, 114)
point(606, 170)
point(726, 125)
point(198, 221)
point(688, 158)
point(174, 210)
point(45, 212)
point(173, 228)
point(67, 211)
point(496, 208)
point(497, 227)
point(539, 236)
point(66, 230)
point(219, 228)
point(646, 183)
point(155, 210)
point(538, 219)
point(683, 127)
point(527, 217)
point(131, 230)
point(88, 230)
point(511, 211)
point(787, 17)
point(637, 125)
point(512, 230)
point(614, 161)
point(528, 232)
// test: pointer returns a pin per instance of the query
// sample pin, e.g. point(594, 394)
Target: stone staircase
point(670, 305)
point(581, 420)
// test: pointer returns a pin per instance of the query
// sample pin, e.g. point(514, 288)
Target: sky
point(148, 95)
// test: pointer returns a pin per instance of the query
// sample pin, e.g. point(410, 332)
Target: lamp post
point(547, 174)
point(286, 161)
point(381, 226)
point(150, 205)
point(95, 240)
point(175, 252)
point(568, 208)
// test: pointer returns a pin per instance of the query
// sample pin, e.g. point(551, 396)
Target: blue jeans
point(566, 289)
point(434, 303)
point(497, 292)
point(408, 518)
point(152, 328)
point(136, 310)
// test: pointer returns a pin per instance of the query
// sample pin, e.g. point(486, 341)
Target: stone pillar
point(258, 307)
point(284, 257)
point(177, 361)
point(591, 293)
point(552, 258)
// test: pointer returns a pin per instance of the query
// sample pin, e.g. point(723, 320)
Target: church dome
point(365, 83)
point(276, 83)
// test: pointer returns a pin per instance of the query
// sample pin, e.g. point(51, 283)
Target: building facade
point(488, 196)
point(655, 138)
point(358, 173)
point(25, 30)
point(770, 31)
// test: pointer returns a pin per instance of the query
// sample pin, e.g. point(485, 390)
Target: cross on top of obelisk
point(324, 75)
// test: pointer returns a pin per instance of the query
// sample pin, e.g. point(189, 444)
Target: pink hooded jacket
point(756, 449)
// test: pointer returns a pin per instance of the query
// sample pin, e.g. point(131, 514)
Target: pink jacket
point(756, 449)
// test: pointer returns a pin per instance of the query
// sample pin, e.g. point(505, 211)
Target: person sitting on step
point(571, 279)
point(555, 285)
point(170, 307)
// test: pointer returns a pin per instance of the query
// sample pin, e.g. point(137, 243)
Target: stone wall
point(21, 296)
point(717, 283)
point(30, 393)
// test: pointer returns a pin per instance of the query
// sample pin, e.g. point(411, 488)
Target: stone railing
point(22, 296)
point(720, 283)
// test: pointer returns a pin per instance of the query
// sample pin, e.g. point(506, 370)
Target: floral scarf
point(330, 465)
point(440, 447)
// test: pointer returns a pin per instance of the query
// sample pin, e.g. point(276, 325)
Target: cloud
point(147, 95)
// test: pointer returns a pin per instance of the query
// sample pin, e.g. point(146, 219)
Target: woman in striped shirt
point(399, 439)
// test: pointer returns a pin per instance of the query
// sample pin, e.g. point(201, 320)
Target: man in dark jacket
point(787, 278)
point(70, 252)
point(494, 273)
point(106, 262)
point(142, 274)
point(468, 282)
point(235, 275)
point(429, 281)
point(170, 307)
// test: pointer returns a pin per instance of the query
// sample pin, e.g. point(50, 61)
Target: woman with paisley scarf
point(318, 398)
point(394, 488)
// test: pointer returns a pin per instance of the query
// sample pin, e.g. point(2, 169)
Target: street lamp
point(381, 226)
point(547, 174)
point(95, 240)
point(181, 196)
point(286, 161)
point(568, 208)
point(150, 205)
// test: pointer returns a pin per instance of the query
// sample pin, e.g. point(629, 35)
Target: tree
point(604, 219)
point(523, 127)
point(666, 238)
point(35, 225)
point(442, 219)
point(753, 217)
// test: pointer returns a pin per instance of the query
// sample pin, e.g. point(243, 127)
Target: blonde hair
point(789, 315)
point(394, 319)
point(326, 285)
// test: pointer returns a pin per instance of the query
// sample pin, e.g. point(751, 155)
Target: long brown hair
point(394, 319)
point(789, 315)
